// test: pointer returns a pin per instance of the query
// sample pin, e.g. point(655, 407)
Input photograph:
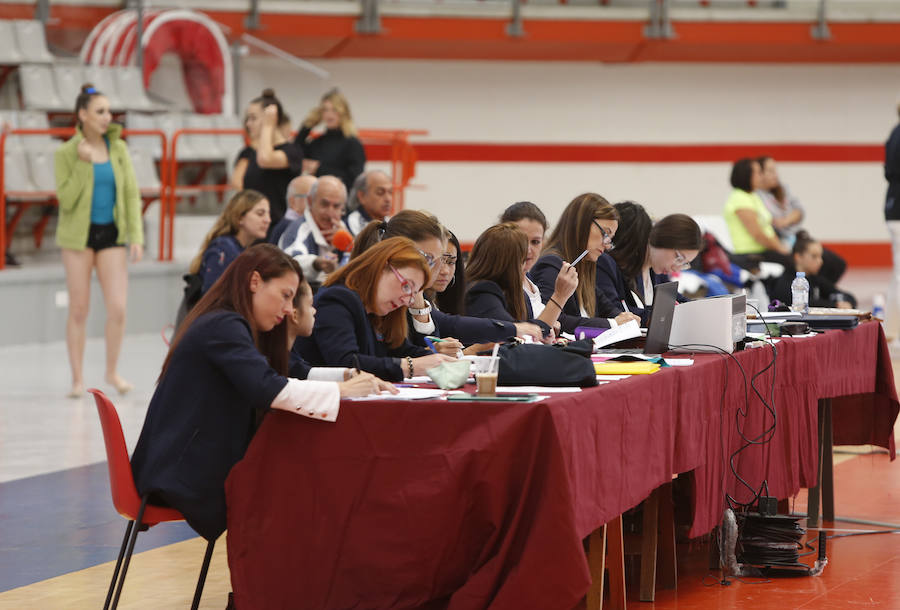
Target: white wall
point(552, 102)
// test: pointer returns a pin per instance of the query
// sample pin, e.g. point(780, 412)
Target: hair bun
point(268, 92)
point(88, 88)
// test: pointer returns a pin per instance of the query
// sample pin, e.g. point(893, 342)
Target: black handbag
point(547, 365)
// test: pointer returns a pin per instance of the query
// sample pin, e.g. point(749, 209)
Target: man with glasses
point(296, 196)
point(370, 199)
point(309, 238)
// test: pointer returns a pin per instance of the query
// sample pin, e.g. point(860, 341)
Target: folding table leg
point(649, 538)
point(812, 501)
point(667, 572)
point(615, 546)
point(827, 462)
point(597, 564)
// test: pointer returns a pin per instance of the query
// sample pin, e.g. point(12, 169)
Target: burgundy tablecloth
point(466, 506)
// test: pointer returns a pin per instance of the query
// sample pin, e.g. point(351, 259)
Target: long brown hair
point(232, 293)
point(499, 255)
point(570, 237)
point(411, 224)
point(228, 221)
point(362, 274)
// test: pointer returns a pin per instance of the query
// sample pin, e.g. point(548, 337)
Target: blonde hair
point(228, 221)
point(342, 107)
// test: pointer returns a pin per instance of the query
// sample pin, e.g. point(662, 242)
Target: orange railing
point(50, 196)
point(388, 145)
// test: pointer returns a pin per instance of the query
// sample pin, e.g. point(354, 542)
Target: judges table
point(432, 504)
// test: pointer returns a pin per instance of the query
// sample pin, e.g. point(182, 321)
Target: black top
point(343, 330)
point(272, 183)
point(337, 154)
point(544, 273)
point(200, 419)
point(892, 173)
point(822, 293)
point(485, 299)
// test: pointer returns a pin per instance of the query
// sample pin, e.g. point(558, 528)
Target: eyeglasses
point(449, 260)
point(430, 259)
point(409, 289)
point(607, 235)
point(681, 261)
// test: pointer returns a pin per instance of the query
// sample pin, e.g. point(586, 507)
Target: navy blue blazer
point(485, 299)
point(343, 330)
point(216, 258)
point(544, 273)
point(200, 419)
point(468, 329)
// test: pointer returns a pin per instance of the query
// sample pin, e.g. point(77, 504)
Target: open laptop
point(660, 326)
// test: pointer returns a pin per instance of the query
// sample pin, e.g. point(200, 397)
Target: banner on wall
point(195, 38)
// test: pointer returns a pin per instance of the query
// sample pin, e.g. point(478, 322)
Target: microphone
point(342, 240)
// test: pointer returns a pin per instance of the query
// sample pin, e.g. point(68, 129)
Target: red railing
point(50, 196)
point(392, 146)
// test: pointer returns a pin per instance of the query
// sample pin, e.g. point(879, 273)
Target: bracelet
point(552, 300)
point(409, 363)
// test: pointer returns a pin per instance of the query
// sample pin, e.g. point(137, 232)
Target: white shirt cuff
point(327, 373)
point(313, 399)
point(424, 328)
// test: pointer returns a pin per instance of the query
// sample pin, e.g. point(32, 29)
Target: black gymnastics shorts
point(103, 236)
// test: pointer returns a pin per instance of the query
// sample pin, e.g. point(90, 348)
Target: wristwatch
point(420, 312)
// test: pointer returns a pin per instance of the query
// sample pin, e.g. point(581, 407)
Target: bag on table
point(547, 365)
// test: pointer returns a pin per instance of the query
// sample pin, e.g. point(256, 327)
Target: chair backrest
point(145, 170)
point(131, 88)
point(121, 479)
point(104, 79)
point(17, 177)
point(9, 50)
point(69, 76)
point(39, 88)
point(32, 41)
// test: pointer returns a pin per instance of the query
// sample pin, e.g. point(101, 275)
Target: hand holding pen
point(444, 345)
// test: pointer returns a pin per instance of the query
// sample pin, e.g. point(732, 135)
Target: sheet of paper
point(611, 377)
point(629, 330)
point(637, 300)
point(679, 361)
point(536, 389)
point(406, 394)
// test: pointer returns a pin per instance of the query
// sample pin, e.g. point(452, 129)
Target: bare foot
point(77, 391)
point(122, 386)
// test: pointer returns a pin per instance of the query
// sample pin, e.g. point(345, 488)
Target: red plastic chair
point(129, 504)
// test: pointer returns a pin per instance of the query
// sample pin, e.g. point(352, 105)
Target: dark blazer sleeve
point(543, 274)
point(342, 331)
point(216, 258)
point(471, 330)
point(299, 368)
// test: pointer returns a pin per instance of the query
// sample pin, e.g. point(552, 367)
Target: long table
point(431, 504)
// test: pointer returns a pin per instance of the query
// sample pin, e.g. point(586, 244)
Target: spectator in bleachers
point(99, 214)
point(243, 222)
point(787, 214)
point(807, 257)
point(309, 238)
point(337, 151)
point(270, 162)
point(371, 199)
point(297, 195)
point(748, 220)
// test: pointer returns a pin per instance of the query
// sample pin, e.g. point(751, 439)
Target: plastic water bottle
point(878, 307)
point(800, 293)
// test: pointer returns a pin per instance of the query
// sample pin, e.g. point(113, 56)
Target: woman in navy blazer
point(587, 224)
point(361, 313)
point(645, 254)
point(226, 364)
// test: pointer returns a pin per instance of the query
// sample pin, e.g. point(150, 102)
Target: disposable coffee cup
point(486, 384)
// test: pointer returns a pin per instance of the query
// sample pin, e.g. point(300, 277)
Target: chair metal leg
point(130, 550)
point(115, 577)
point(203, 570)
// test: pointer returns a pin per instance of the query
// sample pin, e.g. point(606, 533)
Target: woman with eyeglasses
point(646, 254)
point(361, 314)
point(448, 291)
point(429, 236)
point(586, 226)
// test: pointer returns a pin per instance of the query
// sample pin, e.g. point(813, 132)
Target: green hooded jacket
point(75, 189)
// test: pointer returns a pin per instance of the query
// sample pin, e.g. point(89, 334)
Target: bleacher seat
point(10, 117)
point(104, 80)
point(202, 146)
point(17, 181)
point(32, 43)
point(137, 120)
point(131, 89)
point(145, 171)
point(32, 119)
point(39, 88)
point(69, 76)
point(41, 165)
point(9, 51)
point(230, 145)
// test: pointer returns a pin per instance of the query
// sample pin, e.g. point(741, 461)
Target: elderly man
point(297, 193)
point(308, 239)
point(373, 194)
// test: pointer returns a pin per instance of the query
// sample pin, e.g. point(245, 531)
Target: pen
point(430, 341)
point(356, 363)
point(624, 306)
point(580, 256)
